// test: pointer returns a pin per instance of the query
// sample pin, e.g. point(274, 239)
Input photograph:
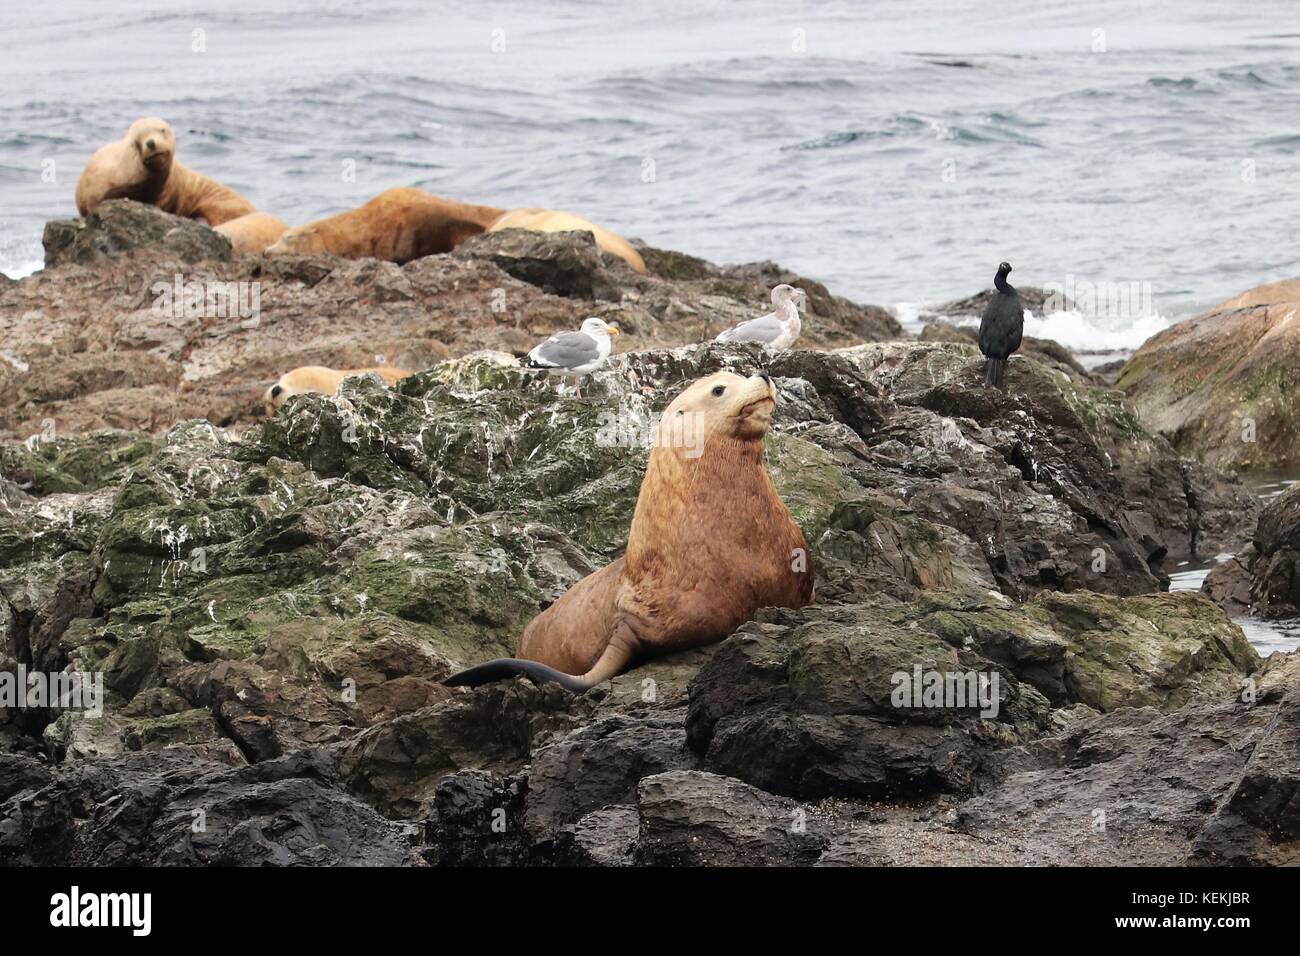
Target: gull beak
point(613, 330)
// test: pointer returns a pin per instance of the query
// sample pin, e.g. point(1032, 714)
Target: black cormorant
point(1001, 328)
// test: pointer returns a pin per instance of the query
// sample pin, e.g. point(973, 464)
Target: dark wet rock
point(121, 225)
point(477, 820)
point(19, 772)
point(598, 766)
point(398, 765)
point(1131, 787)
point(605, 837)
point(1108, 373)
point(1229, 584)
point(1275, 570)
point(174, 809)
point(559, 263)
point(1077, 493)
point(1281, 672)
point(805, 704)
point(690, 818)
point(1259, 822)
point(1263, 579)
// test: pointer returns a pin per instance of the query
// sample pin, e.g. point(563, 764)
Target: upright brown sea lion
point(322, 380)
point(143, 166)
point(551, 220)
point(254, 233)
point(711, 542)
point(398, 225)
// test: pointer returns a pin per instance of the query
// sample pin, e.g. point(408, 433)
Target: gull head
point(787, 293)
point(595, 326)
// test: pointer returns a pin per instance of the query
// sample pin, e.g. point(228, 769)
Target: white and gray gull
point(575, 353)
point(776, 330)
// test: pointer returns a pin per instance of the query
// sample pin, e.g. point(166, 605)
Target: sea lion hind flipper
point(504, 667)
point(613, 659)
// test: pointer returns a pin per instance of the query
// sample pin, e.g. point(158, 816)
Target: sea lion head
point(153, 141)
point(304, 240)
point(274, 397)
point(723, 405)
point(307, 378)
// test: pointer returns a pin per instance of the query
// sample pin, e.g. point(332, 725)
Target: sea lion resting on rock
point(711, 542)
point(142, 166)
point(398, 225)
point(322, 380)
point(551, 220)
point(253, 234)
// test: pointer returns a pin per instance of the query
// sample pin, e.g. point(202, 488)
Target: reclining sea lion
point(143, 166)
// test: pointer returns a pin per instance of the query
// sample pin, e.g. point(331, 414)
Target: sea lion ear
point(276, 390)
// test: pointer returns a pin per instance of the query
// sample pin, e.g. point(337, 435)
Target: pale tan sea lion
point(551, 220)
point(321, 380)
point(143, 166)
point(254, 233)
point(398, 225)
point(711, 542)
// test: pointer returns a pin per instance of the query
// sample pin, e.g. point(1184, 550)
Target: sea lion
point(398, 225)
point(143, 166)
point(322, 380)
point(551, 220)
point(711, 542)
point(254, 233)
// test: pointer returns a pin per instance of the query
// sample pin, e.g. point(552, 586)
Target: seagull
point(776, 330)
point(1001, 328)
point(575, 353)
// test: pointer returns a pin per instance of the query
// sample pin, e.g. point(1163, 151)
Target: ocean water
point(897, 150)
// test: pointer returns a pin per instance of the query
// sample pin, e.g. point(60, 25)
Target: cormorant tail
point(611, 662)
point(995, 372)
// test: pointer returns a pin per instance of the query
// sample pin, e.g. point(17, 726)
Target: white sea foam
point(909, 317)
point(20, 268)
point(1087, 333)
point(1090, 333)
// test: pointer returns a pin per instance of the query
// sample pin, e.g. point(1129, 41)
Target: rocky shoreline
point(272, 603)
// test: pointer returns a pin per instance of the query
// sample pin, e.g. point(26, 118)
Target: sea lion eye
point(275, 391)
point(718, 390)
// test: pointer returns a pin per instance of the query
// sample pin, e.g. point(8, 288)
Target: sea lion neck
point(156, 177)
point(700, 504)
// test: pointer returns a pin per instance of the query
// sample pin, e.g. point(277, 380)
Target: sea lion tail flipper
point(613, 659)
